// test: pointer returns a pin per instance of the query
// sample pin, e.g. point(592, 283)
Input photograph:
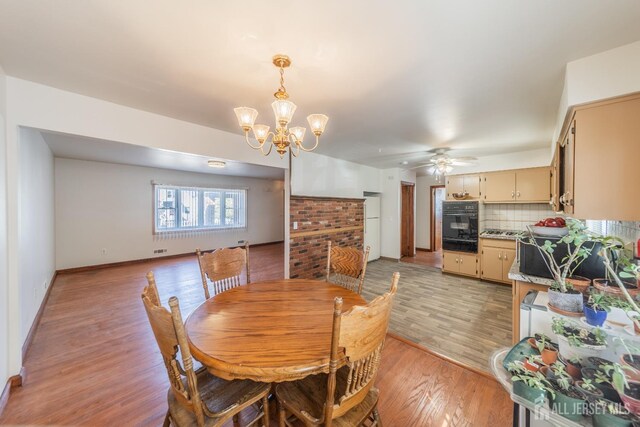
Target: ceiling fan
point(440, 163)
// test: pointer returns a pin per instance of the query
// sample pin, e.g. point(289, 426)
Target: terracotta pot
point(533, 367)
point(549, 356)
point(630, 371)
point(580, 284)
point(632, 403)
point(574, 370)
point(611, 287)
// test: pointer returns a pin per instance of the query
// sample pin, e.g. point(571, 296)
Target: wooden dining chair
point(346, 267)
point(345, 396)
point(223, 267)
point(196, 398)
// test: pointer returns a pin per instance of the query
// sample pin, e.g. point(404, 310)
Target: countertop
point(498, 237)
point(514, 274)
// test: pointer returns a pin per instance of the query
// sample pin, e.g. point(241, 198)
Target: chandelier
point(282, 138)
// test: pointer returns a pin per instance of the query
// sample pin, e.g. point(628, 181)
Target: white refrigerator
point(372, 226)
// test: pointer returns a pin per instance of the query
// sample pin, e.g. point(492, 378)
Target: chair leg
point(236, 420)
point(167, 420)
point(282, 419)
point(376, 417)
point(265, 409)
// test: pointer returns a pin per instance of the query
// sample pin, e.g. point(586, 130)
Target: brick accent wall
point(319, 220)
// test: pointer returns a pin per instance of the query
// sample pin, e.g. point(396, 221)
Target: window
point(188, 208)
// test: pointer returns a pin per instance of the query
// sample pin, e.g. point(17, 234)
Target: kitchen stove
point(501, 234)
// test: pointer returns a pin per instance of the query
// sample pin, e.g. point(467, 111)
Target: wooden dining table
point(272, 331)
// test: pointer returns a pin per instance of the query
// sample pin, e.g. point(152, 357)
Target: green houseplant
point(579, 246)
point(576, 341)
point(532, 386)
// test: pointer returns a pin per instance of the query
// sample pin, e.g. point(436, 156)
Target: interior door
point(492, 263)
point(499, 186)
point(533, 185)
point(407, 246)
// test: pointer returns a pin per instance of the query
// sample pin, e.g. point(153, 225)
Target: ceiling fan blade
point(464, 159)
point(458, 163)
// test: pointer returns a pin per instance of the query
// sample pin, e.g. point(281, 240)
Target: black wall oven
point(460, 226)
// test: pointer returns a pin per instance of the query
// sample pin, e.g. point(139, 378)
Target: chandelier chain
point(282, 79)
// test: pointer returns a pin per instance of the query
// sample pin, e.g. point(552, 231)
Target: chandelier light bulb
point(246, 117)
point(260, 132)
point(317, 122)
point(283, 110)
point(298, 132)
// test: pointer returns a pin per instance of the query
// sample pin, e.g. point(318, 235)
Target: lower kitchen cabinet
point(497, 257)
point(460, 263)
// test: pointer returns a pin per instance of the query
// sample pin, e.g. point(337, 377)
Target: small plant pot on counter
point(584, 351)
point(580, 284)
point(593, 394)
point(569, 404)
point(574, 368)
point(549, 356)
point(571, 300)
point(631, 397)
point(595, 317)
point(608, 391)
point(610, 414)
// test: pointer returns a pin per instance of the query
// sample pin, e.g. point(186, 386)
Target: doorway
point(435, 217)
point(407, 245)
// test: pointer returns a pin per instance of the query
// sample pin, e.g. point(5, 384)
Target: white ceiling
point(482, 77)
point(99, 150)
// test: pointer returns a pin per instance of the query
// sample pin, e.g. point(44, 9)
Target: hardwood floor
point(430, 259)
point(463, 319)
point(94, 360)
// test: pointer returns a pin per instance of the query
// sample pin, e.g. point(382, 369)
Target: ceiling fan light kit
point(282, 138)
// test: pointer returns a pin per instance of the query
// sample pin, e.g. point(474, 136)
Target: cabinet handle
point(568, 200)
point(518, 193)
point(562, 202)
point(457, 260)
point(499, 255)
point(505, 257)
point(513, 194)
point(460, 260)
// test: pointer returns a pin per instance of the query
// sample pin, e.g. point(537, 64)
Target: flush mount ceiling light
point(219, 164)
point(283, 139)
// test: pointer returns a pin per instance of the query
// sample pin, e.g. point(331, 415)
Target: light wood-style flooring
point(94, 360)
point(463, 319)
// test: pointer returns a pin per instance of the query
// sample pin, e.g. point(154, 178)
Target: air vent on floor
point(159, 251)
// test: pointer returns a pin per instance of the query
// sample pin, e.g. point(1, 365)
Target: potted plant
point(630, 359)
point(574, 367)
point(533, 362)
point(596, 309)
point(567, 400)
point(580, 284)
point(532, 386)
point(589, 389)
point(562, 295)
point(575, 341)
point(612, 381)
point(547, 350)
point(611, 414)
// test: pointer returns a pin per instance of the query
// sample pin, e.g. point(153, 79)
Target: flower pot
point(608, 391)
point(611, 287)
point(631, 397)
point(632, 361)
point(574, 370)
point(533, 367)
point(569, 301)
point(590, 395)
point(596, 362)
point(549, 356)
point(580, 284)
point(572, 408)
point(531, 394)
point(567, 351)
point(594, 317)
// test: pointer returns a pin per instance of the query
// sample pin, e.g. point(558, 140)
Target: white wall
point(4, 316)
point(518, 160)
point(391, 210)
point(36, 233)
point(106, 205)
point(607, 74)
point(323, 176)
point(423, 210)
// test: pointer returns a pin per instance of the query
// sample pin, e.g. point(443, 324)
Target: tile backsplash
point(513, 216)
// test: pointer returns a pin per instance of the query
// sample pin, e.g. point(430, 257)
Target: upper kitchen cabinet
point(460, 187)
point(517, 186)
point(599, 154)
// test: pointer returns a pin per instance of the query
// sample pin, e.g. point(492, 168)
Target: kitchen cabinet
point(496, 259)
point(467, 185)
point(599, 152)
point(517, 186)
point(460, 263)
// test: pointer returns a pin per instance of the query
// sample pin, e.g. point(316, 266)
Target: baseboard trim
point(138, 261)
point(442, 356)
point(384, 258)
point(423, 249)
point(36, 321)
point(14, 381)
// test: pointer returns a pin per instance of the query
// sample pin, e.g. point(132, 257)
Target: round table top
point(271, 331)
